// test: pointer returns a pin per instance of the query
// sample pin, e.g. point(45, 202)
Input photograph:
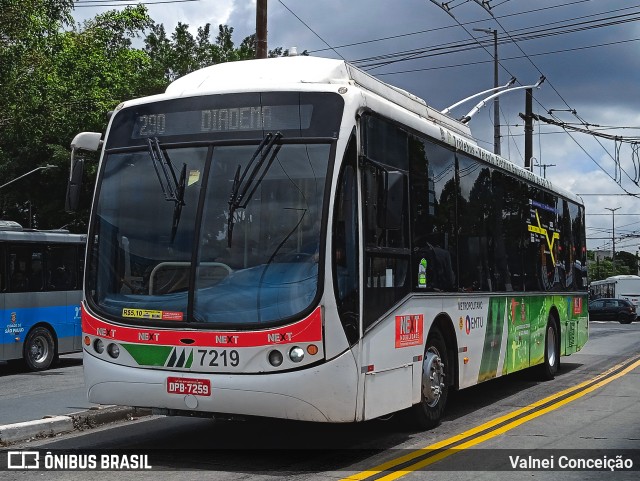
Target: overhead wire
point(311, 30)
point(419, 32)
point(551, 52)
point(526, 33)
point(619, 167)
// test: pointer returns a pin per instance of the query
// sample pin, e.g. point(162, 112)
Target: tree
point(58, 79)
point(30, 36)
point(65, 83)
point(183, 53)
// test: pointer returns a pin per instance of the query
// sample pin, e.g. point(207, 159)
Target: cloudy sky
point(588, 50)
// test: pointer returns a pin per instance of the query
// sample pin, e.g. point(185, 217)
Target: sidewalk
point(53, 425)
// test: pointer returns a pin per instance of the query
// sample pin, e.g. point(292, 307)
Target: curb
point(51, 426)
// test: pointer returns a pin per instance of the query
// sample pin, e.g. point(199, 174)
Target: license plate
point(185, 385)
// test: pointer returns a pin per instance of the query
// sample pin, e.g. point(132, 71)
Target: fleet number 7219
point(217, 358)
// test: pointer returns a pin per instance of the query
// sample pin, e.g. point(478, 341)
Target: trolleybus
point(40, 293)
point(619, 287)
point(294, 238)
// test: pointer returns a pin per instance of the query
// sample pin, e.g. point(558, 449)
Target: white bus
point(293, 238)
point(619, 287)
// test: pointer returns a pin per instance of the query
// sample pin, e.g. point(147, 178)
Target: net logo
point(409, 330)
point(577, 305)
point(23, 460)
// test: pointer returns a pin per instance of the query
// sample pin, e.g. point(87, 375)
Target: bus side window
point(19, 279)
point(61, 268)
point(36, 274)
point(3, 269)
point(386, 237)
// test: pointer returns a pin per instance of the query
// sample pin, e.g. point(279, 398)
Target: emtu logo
point(473, 323)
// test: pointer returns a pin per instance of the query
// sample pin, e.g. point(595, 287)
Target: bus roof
point(289, 73)
point(43, 236)
point(280, 73)
point(621, 277)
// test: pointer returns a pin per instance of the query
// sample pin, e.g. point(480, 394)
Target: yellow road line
point(483, 427)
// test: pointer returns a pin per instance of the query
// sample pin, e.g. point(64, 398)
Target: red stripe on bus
point(308, 329)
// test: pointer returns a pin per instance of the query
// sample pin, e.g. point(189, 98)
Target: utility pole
point(528, 128)
point(613, 236)
point(543, 167)
point(496, 101)
point(261, 29)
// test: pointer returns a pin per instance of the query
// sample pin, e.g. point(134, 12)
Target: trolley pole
point(261, 29)
point(528, 129)
point(613, 237)
point(496, 84)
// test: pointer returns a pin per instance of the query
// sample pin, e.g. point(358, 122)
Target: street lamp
point(42, 167)
point(496, 101)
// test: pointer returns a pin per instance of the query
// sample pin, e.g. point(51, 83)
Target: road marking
point(447, 447)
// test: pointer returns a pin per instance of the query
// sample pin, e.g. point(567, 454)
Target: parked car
point(606, 309)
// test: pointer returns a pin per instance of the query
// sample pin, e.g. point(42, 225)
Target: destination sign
point(247, 118)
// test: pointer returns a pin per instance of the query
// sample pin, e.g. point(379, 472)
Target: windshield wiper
point(172, 188)
point(241, 194)
point(159, 158)
point(177, 209)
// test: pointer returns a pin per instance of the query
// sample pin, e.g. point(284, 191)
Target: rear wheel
point(624, 319)
point(39, 349)
point(549, 367)
point(429, 411)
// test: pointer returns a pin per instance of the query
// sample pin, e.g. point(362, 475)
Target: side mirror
point(86, 141)
point(391, 194)
point(72, 198)
point(83, 141)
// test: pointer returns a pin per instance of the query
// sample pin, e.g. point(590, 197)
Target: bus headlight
point(113, 350)
point(275, 358)
point(296, 354)
point(98, 345)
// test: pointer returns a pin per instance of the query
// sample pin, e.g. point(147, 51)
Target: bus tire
point(624, 319)
point(549, 367)
point(39, 349)
point(435, 388)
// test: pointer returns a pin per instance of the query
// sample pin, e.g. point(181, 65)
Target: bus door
point(388, 364)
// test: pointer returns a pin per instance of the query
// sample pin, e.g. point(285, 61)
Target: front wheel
point(39, 349)
point(429, 411)
point(549, 367)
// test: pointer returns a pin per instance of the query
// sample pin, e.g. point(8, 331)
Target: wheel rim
point(551, 346)
point(39, 350)
point(432, 377)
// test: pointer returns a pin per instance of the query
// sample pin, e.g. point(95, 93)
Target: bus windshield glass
point(157, 257)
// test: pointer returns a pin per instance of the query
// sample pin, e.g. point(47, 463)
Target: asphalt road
point(587, 410)
point(26, 396)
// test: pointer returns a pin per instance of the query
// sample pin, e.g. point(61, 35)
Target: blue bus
point(40, 293)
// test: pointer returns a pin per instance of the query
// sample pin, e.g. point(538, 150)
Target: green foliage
point(626, 263)
point(59, 79)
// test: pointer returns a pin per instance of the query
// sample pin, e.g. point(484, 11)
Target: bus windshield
point(160, 258)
